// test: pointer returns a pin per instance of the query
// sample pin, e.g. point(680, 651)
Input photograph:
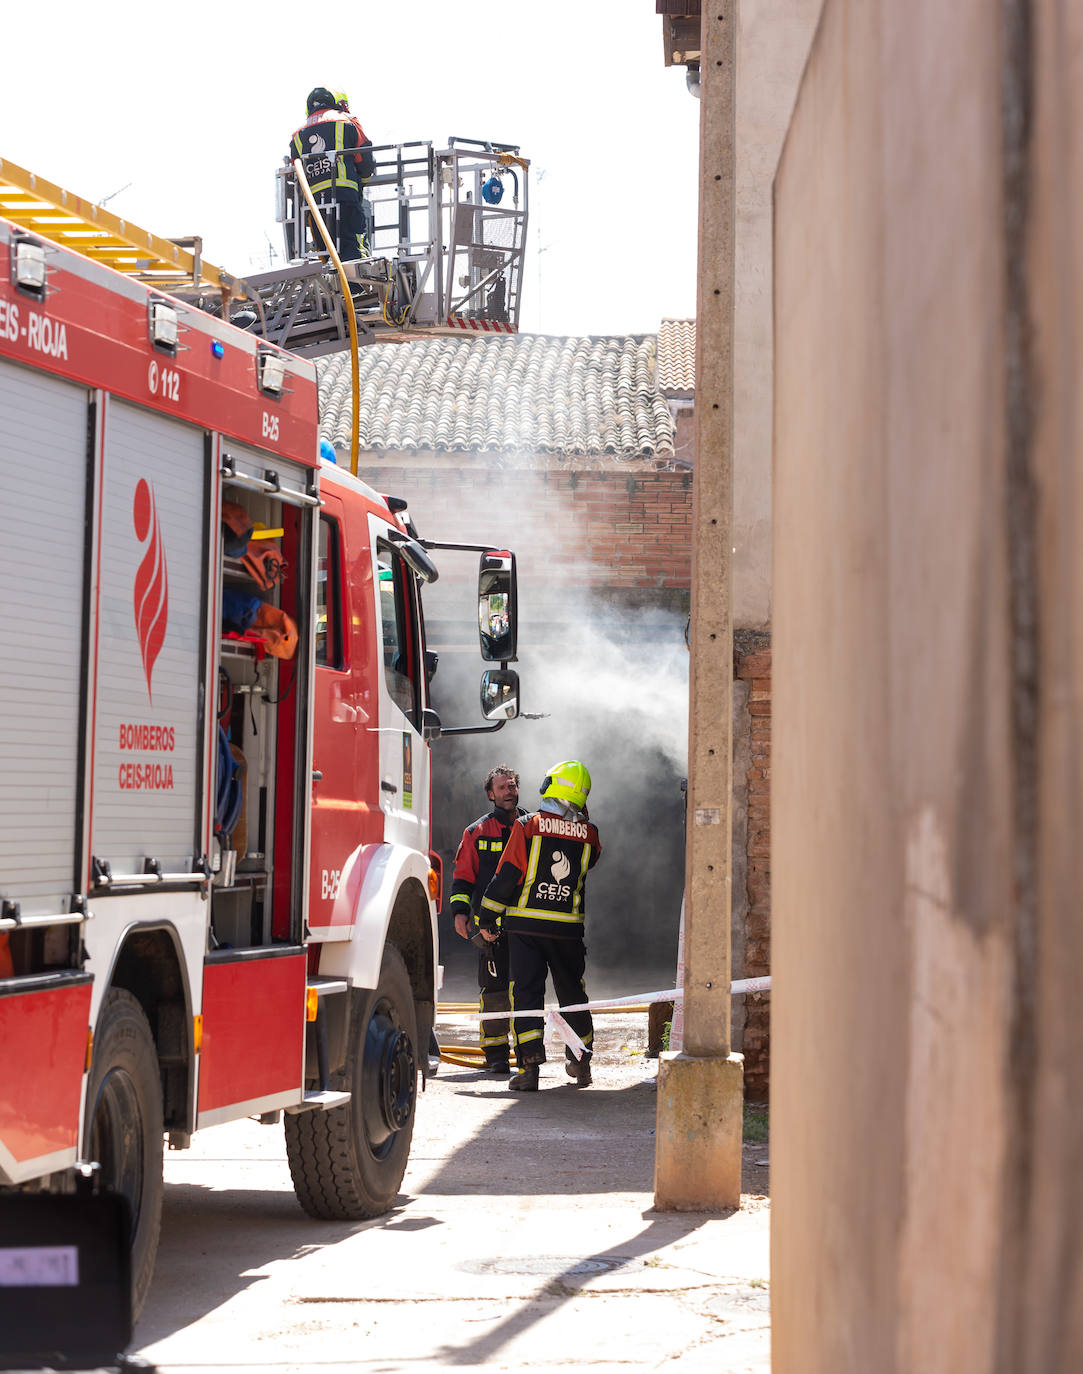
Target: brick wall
point(634, 529)
point(618, 528)
point(752, 665)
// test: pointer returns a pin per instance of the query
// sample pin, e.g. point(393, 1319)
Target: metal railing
point(444, 235)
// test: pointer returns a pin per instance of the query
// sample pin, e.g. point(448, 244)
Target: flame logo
point(561, 865)
point(151, 592)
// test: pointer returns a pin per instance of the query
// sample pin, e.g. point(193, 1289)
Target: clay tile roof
point(677, 357)
point(522, 393)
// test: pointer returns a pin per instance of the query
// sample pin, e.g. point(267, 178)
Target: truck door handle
point(317, 776)
point(386, 786)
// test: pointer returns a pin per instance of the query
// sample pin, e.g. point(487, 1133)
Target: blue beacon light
point(218, 350)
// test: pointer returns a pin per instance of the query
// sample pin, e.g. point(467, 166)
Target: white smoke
point(609, 680)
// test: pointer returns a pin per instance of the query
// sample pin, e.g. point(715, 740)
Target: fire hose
point(347, 306)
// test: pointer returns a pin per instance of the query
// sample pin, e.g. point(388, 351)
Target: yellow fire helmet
point(568, 782)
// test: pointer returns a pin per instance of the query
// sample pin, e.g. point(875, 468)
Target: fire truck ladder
point(50, 212)
point(444, 252)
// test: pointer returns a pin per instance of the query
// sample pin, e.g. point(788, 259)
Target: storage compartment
point(261, 745)
point(234, 924)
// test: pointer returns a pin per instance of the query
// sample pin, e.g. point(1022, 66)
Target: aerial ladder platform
point(444, 243)
point(445, 231)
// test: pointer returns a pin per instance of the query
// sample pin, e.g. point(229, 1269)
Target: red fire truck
point(217, 898)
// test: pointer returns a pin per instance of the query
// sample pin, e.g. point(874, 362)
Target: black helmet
point(320, 98)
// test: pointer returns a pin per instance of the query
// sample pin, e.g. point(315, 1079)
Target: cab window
point(397, 624)
point(329, 636)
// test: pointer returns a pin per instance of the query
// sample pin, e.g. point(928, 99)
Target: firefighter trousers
point(495, 996)
point(530, 958)
point(347, 223)
point(351, 223)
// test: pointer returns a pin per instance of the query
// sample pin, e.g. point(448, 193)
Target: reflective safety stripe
point(490, 905)
point(532, 864)
point(340, 176)
point(494, 1040)
point(342, 164)
point(584, 863)
point(527, 1035)
point(533, 913)
point(461, 897)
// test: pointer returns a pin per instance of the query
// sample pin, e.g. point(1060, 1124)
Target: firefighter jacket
point(477, 857)
point(324, 133)
point(539, 884)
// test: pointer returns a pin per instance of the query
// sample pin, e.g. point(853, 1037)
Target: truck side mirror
point(497, 606)
point(418, 559)
point(499, 694)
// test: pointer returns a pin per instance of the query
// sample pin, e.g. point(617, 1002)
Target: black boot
point(500, 1068)
point(526, 1080)
point(579, 1069)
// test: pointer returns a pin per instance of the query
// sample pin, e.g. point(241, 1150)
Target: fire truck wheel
point(124, 1125)
point(347, 1163)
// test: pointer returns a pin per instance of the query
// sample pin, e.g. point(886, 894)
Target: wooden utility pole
point(700, 1089)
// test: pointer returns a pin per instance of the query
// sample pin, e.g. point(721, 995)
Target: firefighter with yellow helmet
point(537, 897)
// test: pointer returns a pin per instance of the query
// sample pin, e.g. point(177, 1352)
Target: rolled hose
point(228, 794)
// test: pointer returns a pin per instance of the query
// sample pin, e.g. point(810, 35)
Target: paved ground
point(524, 1239)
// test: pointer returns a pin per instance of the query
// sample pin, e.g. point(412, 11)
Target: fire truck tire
point(124, 1125)
point(347, 1163)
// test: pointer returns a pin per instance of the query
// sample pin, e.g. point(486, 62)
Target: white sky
point(194, 104)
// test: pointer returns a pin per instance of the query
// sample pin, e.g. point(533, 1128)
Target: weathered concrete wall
point(928, 655)
point(772, 43)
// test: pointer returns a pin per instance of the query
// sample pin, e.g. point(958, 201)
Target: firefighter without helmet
point(568, 782)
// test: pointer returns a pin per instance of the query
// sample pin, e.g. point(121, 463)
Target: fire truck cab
point(217, 898)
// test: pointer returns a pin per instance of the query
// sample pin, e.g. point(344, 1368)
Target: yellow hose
point(351, 318)
point(475, 1062)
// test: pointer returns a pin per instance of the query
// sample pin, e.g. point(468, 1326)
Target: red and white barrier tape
point(554, 1016)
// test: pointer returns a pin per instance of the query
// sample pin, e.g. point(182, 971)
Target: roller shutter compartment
point(148, 659)
point(44, 463)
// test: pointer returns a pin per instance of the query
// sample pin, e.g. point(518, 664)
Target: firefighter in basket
point(336, 157)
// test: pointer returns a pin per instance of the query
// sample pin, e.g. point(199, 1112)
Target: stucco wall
point(928, 661)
